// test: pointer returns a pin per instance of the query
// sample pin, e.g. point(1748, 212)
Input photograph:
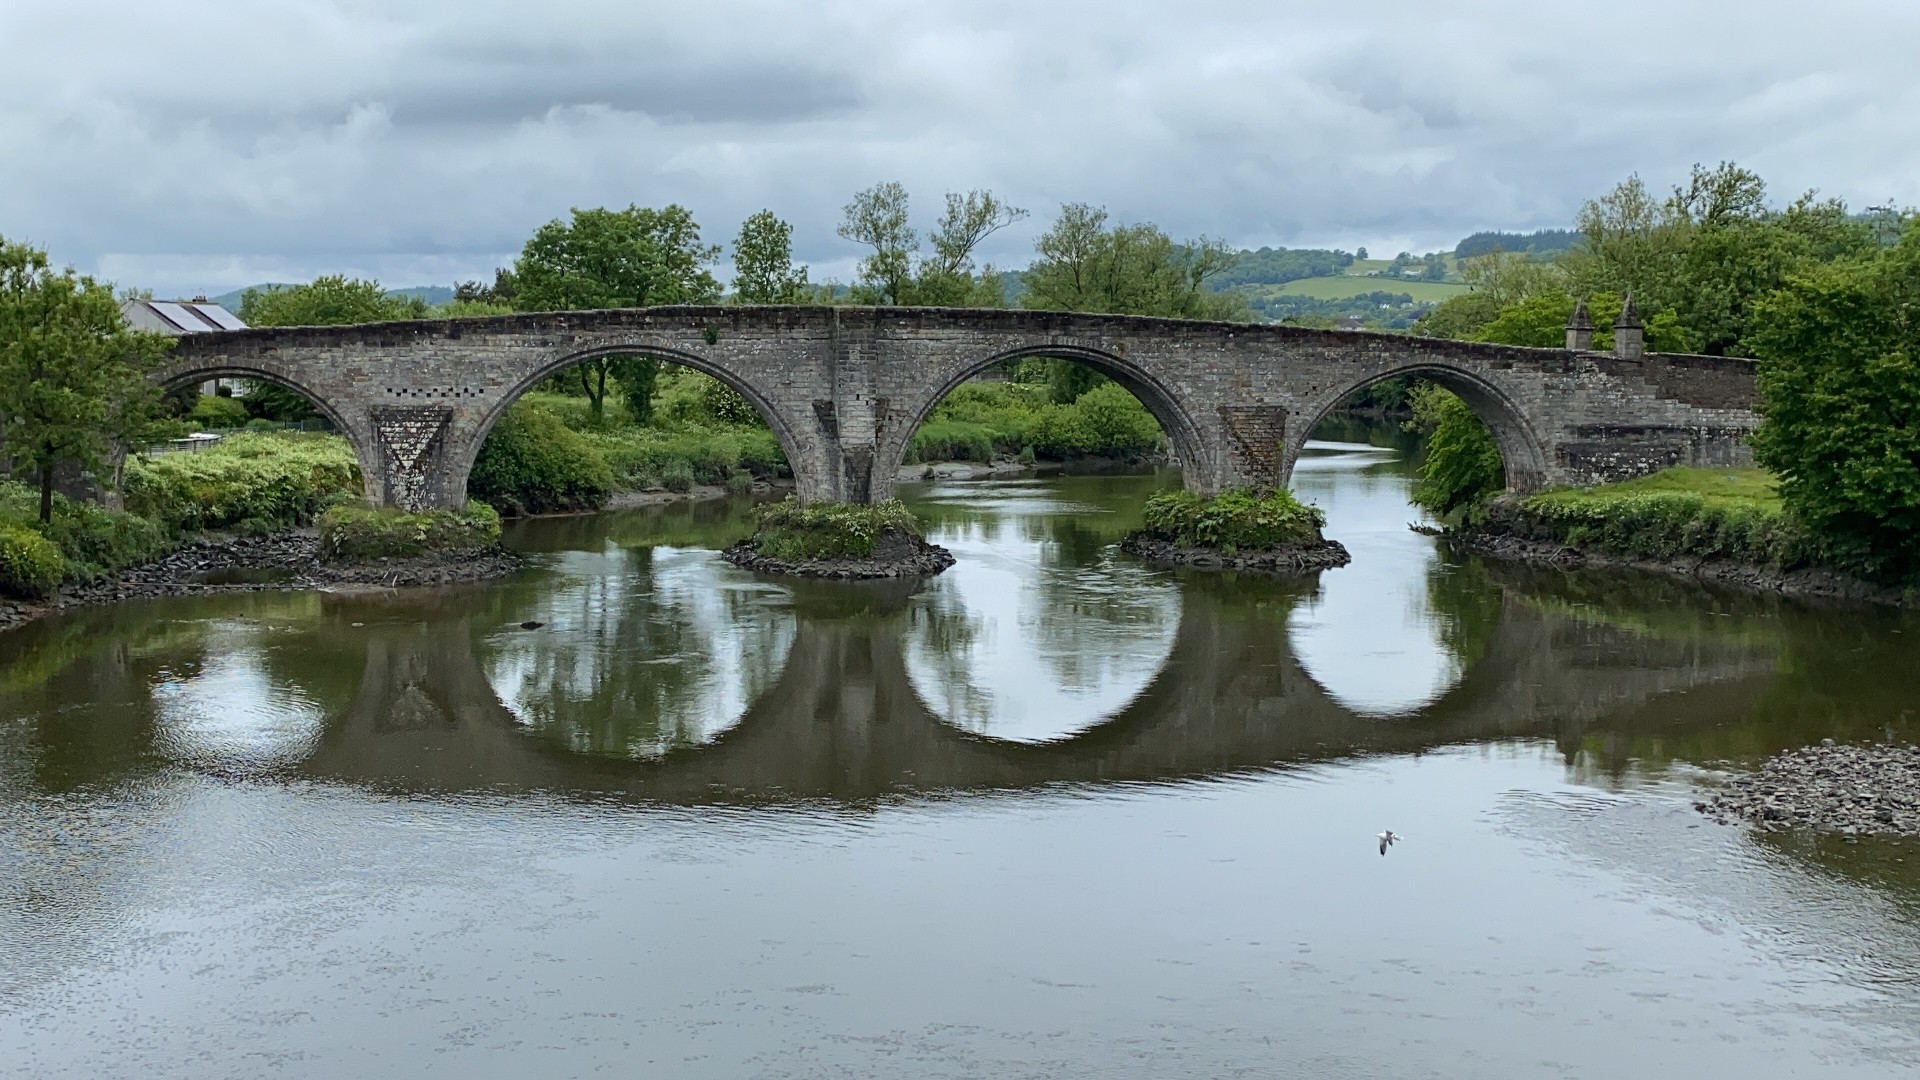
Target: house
point(178, 318)
point(1351, 322)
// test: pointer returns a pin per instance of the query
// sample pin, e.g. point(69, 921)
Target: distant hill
point(1538, 243)
point(434, 295)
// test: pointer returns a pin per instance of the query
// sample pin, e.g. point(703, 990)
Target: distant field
point(1340, 288)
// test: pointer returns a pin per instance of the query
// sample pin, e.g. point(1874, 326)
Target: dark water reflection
point(1052, 814)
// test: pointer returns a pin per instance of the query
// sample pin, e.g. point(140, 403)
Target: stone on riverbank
point(286, 562)
point(1850, 790)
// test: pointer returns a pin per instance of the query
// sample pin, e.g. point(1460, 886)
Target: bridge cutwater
point(844, 388)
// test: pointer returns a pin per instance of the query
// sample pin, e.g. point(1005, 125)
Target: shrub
point(355, 533)
point(266, 480)
point(30, 565)
point(790, 531)
point(1115, 422)
point(1240, 519)
point(214, 411)
point(951, 440)
point(739, 482)
point(531, 463)
point(677, 476)
point(92, 540)
point(1839, 383)
point(1461, 464)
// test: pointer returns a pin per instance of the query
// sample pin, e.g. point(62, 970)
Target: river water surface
point(1052, 814)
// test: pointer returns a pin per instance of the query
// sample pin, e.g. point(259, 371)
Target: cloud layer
point(200, 145)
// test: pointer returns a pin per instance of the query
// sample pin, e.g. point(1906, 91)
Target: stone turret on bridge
point(844, 388)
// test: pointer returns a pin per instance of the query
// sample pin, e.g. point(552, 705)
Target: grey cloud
point(432, 137)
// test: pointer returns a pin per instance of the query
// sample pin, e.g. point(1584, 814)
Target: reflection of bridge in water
point(844, 721)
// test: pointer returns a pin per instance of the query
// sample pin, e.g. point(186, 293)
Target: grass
point(1241, 519)
point(1348, 286)
point(1755, 487)
point(358, 533)
point(796, 533)
point(1732, 514)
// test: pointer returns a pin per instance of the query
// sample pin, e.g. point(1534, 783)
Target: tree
point(73, 378)
point(1462, 462)
point(1540, 321)
point(877, 217)
point(1360, 254)
point(1085, 265)
point(763, 270)
point(328, 301)
point(637, 257)
point(1839, 351)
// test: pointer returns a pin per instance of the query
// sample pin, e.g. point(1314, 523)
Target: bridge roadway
point(844, 388)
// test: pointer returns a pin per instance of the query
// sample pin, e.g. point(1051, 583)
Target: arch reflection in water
point(1040, 630)
point(643, 650)
point(1371, 636)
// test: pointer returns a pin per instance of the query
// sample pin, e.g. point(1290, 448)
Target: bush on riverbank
point(796, 533)
point(252, 483)
point(1240, 519)
point(358, 533)
point(1732, 514)
point(532, 463)
point(91, 540)
point(30, 565)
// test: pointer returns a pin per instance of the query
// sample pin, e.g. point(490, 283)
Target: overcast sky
point(197, 145)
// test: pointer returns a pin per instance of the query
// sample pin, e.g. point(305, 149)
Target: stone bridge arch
point(1523, 453)
point(1192, 450)
point(351, 425)
point(801, 452)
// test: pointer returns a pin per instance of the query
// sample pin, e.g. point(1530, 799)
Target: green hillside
point(1341, 288)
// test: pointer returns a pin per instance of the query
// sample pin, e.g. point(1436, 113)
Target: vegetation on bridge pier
point(1243, 528)
point(839, 540)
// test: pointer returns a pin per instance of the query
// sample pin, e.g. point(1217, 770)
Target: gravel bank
point(1295, 559)
point(895, 555)
point(1850, 790)
point(257, 564)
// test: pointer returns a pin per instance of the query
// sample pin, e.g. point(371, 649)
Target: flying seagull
point(1386, 840)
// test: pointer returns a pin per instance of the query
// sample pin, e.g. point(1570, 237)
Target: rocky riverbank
point(1809, 583)
point(287, 561)
point(895, 555)
point(1850, 790)
point(1292, 559)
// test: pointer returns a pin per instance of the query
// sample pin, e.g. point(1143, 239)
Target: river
point(1052, 814)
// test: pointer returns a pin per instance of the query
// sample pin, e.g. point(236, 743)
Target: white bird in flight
point(1386, 840)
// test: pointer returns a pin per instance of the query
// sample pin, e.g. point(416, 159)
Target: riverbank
point(1806, 583)
point(1724, 526)
point(1849, 790)
point(285, 562)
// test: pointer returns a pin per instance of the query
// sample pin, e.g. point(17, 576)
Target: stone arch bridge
point(844, 388)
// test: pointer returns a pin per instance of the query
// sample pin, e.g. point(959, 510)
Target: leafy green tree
point(763, 270)
point(334, 300)
point(1540, 321)
point(73, 377)
point(1839, 348)
point(897, 273)
point(1086, 265)
point(637, 257)
point(1462, 462)
point(877, 217)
